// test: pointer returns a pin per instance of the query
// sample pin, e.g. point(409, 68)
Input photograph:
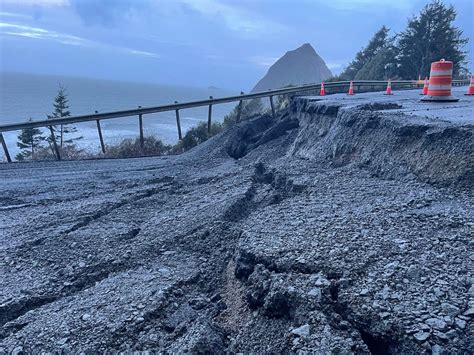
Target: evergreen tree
point(382, 66)
point(428, 38)
point(29, 141)
point(378, 42)
point(61, 110)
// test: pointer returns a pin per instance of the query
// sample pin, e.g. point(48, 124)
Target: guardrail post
point(239, 109)
point(241, 99)
point(102, 145)
point(5, 148)
point(140, 123)
point(178, 123)
point(272, 106)
point(55, 145)
point(209, 117)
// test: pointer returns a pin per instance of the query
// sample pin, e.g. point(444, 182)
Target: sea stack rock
point(297, 67)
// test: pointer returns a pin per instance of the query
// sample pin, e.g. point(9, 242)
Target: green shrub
point(129, 148)
point(197, 135)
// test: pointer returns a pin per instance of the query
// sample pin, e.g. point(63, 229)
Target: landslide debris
point(390, 145)
point(327, 230)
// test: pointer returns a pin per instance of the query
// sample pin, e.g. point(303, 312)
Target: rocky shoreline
point(336, 228)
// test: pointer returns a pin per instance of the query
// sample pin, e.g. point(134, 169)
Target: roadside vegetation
point(34, 144)
point(428, 37)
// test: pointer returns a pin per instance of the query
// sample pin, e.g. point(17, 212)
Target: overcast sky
point(225, 43)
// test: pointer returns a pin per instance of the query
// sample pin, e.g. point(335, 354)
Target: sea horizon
point(25, 95)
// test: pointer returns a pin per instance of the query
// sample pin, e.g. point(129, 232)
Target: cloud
point(12, 29)
point(214, 57)
point(41, 33)
point(363, 4)
point(263, 61)
point(234, 18)
point(34, 8)
point(22, 27)
point(334, 66)
point(47, 3)
point(144, 53)
point(107, 12)
point(11, 14)
point(111, 13)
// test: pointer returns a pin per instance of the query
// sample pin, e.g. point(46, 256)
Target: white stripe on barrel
point(442, 72)
point(440, 87)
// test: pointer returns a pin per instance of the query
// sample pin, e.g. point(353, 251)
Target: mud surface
point(316, 232)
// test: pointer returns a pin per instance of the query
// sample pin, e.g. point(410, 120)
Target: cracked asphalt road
point(275, 236)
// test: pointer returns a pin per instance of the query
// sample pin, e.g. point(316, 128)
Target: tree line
point(428, 37)
point(34, 145)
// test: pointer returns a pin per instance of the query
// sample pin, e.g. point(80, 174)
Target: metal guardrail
point(140, 111)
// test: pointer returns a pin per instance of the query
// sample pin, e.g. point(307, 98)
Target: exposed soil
point(331, 229)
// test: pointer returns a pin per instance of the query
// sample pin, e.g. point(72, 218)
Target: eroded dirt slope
point(279, 235)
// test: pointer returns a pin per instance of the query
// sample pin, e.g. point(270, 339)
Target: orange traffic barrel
point(470, 91)
point(441, 76)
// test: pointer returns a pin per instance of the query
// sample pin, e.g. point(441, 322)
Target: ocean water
point(24, 96)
